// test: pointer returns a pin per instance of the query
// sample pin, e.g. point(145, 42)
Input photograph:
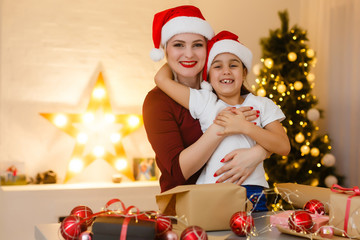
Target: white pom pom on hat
point(156, 54)
point(181, 19)
point(206, 85)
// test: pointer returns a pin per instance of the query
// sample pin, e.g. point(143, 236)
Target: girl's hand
point(235, 120)
point(240, 164)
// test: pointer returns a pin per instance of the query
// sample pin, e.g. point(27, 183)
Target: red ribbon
point(353, 192)
point(126, 213)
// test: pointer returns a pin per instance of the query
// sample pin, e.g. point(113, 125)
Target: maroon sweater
point(170, 129)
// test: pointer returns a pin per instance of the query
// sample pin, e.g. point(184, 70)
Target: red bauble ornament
point(163, 225)
point(193, 233)
point(315, 207)
point(83, 212)
point(300, 221)
point(326, 232)
point(241, 223)
point(71, 227)
point(87, 235)
point(169, 235)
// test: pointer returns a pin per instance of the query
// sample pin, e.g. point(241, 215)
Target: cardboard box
point(209, 206)
point(338, 205)
point(110, 228)
point(298, 195)
point(282, 219)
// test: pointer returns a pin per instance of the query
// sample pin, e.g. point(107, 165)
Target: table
point(263, 228)
point(262, 224)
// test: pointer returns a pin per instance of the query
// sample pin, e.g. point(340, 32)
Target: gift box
point(131, 228)
point(282, 219)
point(209, 206)
point(313, 236)
point(345, 211)
point(298, 194)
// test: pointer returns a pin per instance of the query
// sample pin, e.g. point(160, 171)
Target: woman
point(180, 147)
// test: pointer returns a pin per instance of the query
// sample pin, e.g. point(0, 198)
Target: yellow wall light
point(98, 133)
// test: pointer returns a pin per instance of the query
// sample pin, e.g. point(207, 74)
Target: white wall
point(52, 51)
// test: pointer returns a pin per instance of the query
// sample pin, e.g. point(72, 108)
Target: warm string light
point(98, 133)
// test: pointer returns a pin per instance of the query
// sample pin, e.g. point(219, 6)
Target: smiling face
point(186, 54)
point(226, 76)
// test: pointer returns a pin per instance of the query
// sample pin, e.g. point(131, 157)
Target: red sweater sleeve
point(170, 129)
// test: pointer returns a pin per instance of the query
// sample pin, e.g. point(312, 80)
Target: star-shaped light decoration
point(98, 133)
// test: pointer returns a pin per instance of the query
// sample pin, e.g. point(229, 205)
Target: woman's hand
point(235, 119)
point(240, 164)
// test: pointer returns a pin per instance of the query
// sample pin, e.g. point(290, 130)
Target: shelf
point(77, 186)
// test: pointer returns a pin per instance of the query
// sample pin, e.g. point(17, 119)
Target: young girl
point(226, 68)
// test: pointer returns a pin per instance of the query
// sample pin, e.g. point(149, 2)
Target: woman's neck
point(192, 82)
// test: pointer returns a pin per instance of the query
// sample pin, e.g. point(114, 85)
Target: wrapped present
point(209, 206)
point(120, 227)
point(282, 219)
point(287, 230)
point(298, 194)
point(345, 211)
point(115, 221)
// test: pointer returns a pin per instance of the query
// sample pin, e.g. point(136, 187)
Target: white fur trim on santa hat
point(185, 25)
point(230, 46)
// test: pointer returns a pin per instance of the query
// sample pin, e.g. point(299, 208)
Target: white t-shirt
point(205, 106)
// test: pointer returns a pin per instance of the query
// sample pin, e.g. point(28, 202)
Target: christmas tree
point(284, 76)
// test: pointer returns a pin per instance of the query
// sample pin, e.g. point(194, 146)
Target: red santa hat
point(226, 42)
point(182, 19)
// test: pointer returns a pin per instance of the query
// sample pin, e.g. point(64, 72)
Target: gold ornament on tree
point(314, 152)
point(310, 53)
point(305, 149)
point(292, 56)
point(261, 92)
point(281, 88)
point(268, 62)
point(298, 85)
point(299, 138)
point(310, 77)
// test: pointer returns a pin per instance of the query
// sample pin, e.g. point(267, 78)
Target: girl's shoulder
point(259, 102)
point(259, 99)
